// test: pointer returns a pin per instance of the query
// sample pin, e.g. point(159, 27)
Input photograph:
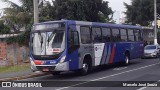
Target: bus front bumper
point(49, 68)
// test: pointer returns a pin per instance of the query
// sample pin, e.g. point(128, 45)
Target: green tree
point(4, 28)
point(88, 10)
point(141, 11)
point(18, 16)
point(47, 12)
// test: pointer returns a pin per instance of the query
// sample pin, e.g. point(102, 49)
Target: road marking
point(109, 76)
point(126, 72)
point(142, 88)
point(120, 68)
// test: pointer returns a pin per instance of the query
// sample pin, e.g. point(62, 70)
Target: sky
point(118, 4)
point(3, 5)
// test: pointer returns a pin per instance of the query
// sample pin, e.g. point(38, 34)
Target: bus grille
point(50, 68)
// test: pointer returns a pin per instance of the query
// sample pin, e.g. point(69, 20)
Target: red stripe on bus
point(112, 55)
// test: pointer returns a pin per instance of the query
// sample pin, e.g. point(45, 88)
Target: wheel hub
point(127, 60)
point(85, 67)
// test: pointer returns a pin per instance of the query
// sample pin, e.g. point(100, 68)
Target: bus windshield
point(48, 43)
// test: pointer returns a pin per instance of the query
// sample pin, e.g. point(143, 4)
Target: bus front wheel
point(85, 68)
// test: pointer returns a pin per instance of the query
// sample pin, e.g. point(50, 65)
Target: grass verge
point(15, 68)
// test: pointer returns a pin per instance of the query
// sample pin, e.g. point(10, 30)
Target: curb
point(24, 77)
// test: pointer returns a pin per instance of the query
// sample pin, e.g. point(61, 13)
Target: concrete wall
point(2, 50)
point(12, 54)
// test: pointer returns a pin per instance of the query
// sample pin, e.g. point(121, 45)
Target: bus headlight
point(30, 59)
point(62, 59)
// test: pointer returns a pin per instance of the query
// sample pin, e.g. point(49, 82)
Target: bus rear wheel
point(126, 60)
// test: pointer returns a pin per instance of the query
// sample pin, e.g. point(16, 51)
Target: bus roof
point(93, 24)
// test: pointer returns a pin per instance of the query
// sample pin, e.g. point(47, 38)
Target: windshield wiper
point(50, 37)
point(41, 38)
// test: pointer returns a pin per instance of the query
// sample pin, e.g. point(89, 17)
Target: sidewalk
point(19, 75)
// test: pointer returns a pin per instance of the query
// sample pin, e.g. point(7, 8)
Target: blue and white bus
point(67, 45)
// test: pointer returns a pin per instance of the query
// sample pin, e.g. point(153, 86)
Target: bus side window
point(130, 35)
point(140, 36)
point(106, 35)
point(116, 35)
point(136, 33)
point(76, 38)
point(123, 34)
point(96, 35)
point(85, 34)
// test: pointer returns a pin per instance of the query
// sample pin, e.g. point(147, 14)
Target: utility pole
point(36, 11)
point(155, 22)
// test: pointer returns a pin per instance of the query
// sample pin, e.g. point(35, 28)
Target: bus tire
point(126, 60)
point(56, 73)
point(86, 67)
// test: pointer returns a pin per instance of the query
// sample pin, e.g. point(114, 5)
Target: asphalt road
point(138, 70)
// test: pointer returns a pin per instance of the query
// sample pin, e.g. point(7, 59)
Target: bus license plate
point(45, 69)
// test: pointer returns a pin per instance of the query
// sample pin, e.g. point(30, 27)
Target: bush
point(22, 39)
